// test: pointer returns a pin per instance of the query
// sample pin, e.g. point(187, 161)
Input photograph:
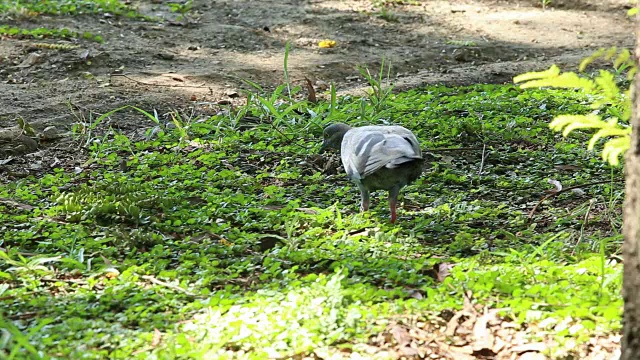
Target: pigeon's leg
point(393, 202)
point(364, 197)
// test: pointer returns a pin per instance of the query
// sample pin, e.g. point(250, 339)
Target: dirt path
point(450, 42)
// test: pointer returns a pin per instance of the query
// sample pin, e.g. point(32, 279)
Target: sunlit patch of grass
point(74, 7)
point(32, 9)
point(41, 33)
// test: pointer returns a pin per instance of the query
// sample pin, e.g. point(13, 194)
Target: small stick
point(165, 85)
point(170, 286)
point(484, 156)
point(457, 149)
point(554, 194)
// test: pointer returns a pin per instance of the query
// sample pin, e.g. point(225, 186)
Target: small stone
point(232, 94)
point(50, 133)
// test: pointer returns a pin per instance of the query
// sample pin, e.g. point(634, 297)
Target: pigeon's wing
point(408, 136)
point(367, 149)
point(357, 146)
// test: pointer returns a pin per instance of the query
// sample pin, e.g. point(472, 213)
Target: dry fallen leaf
point(32, 59)
point(401, 335)
point(312, 92)
point(409, 352)
point(416, 294)
point(483, 338)
point(157, 335)
point(555, 183)
point(442, 270)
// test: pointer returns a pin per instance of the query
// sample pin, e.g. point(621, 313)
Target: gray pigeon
point(376, 158)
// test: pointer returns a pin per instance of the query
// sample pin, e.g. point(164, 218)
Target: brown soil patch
point(245, 39)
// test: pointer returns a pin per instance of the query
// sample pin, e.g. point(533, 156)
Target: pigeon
point(376, 158)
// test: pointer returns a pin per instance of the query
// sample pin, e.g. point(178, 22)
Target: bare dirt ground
point(446, 42)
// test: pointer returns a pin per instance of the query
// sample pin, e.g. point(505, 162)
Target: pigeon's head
point(333, 135)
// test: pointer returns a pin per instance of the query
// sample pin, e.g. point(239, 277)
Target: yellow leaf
point(326, 44)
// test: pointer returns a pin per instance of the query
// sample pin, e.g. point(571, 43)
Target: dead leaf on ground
point(157, 336)
point(555, 183)
point(26, 128)
point(409, 351)
point(416, 294)
point(482, 335)
point(312, 92)
point(457, 352)
point(442, 270)
point(401, 335)
point(32, 59)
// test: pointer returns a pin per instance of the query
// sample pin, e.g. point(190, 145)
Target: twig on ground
point(484, 157)
point(554, 194)
point(163, 85)
point(167, 285)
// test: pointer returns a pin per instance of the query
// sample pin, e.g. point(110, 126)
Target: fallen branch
point(554, 194)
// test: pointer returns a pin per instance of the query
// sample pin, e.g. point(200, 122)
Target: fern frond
point(573, 122)
point(607, 85)
point(590, 59)
point(610, 52)
point(622, 58)
point(552, 72)
point(626, 107)
point(614, 148)
point(607, 132)
point(565, 80)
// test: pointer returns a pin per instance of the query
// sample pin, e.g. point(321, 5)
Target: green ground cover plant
point(12, 12)
point(229, 237)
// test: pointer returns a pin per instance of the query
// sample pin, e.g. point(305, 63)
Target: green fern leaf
point(565, 80)
point(623, 57)
point(588, 60)
point(614, 148)
point(608, 132)
point(607, 85)
point(573, 122)
point(610, 52)
point(552, 72)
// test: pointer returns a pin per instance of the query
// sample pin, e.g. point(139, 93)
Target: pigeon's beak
point(323, 147)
